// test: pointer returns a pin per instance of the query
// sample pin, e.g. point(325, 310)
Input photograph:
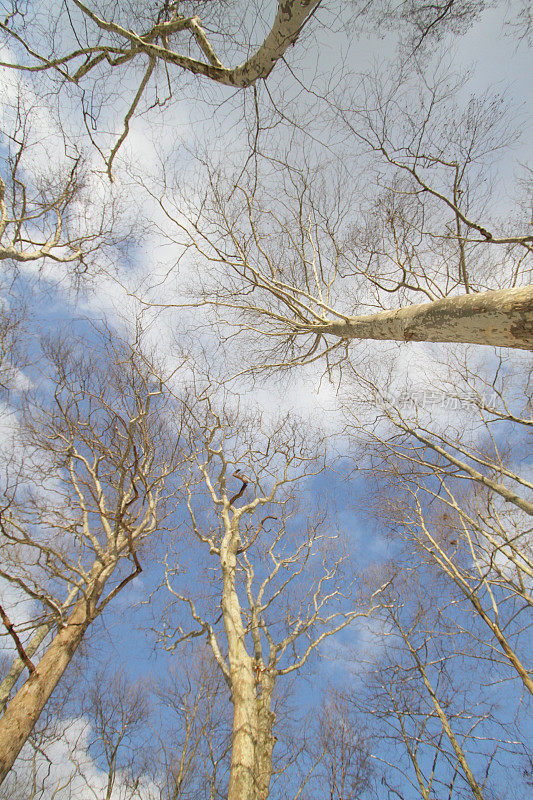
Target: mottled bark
point(242, 781)
point(250, 658)
point(242, 784)
point(26, 706)
point(290, 19)
point(502, 318)
point(251, 690)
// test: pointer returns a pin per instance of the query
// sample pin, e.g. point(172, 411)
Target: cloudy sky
point(163, 141)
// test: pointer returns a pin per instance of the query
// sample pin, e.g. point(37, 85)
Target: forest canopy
point(266, 324)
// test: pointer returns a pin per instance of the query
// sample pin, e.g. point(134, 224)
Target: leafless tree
point(407, 249)
point(91, 486)
point(460, 498)
point(194, 741)
point(107, 736)
point(344, 768)
point(118, 711)
point(35, 775)
point(152, 45)
point(274, 589)
point(431, 726)
point(88, 42)
point(111, 41)
point(11, 319)
point(47, 213)
point(408, 246)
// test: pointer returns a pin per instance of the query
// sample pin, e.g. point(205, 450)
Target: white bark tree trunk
point(251, 690)
point(502, 318)
point(242, 783)
point(290, 18)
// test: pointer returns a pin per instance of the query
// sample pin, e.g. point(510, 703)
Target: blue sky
point(124, 636)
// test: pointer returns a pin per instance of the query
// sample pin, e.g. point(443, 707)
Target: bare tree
point(90, 740)
point(153, 45)
point(410, 251)
point(118, 711)
point(194, 741)
point(408, 248)
point(104, 735)
point(459, 498)
point(344, 768)
point(89, 41)
point(111, 42)
point(11, 320)
point(35, 775)
point(276, 591)
point(46, 209)
point(422, 669)
point(420, 691)
point(174, 33)
point(28, 212)
point(91, 488)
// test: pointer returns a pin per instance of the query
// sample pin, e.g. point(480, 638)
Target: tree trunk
point(290, 19)
point(242, 784)
point(502, 318)
point(26, 706)
point(265, 739)
point(242, 780)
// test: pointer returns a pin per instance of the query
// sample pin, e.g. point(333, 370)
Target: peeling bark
point(290, 18)
point(242, 782)
point(502, 318)
point(251, 692)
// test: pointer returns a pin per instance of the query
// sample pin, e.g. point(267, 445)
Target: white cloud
point(65, 770)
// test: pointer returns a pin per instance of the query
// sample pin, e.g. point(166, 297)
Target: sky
point(497, 63)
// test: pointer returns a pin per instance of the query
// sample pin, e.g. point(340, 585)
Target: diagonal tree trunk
point(291, 16)
point(502, 318)
point(18, 666)
point(26, 706)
